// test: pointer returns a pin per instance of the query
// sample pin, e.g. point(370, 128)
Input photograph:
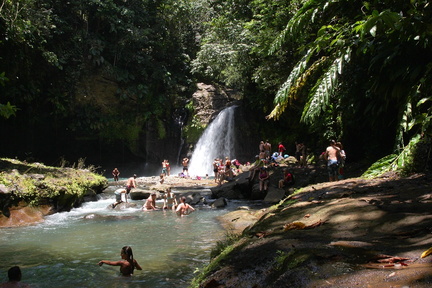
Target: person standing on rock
point(116, 174)
point(261, 146)
point(164, 168)
point(216, 169)
point(168, 167)
point(185, 164)
point(267, 148)
point(332, 155)
point(281, 149)
point(131, 183)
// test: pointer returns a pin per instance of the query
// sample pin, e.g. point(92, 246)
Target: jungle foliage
point(355, 71)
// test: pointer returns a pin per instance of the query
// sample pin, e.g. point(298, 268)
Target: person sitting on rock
point(264, 177)
point(256, 166)
point(288, 179)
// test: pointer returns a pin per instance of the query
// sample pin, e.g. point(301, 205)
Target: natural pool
point(64, 250)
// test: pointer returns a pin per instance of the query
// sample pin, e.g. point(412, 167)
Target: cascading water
point(217, 141)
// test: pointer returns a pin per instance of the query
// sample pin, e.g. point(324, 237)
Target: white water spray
point(217, 141)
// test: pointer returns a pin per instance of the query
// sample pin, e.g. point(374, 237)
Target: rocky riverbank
point(352, 233)
point(30, 191)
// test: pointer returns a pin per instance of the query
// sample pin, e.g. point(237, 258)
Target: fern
point(296, 80)
point(324, 89)
point(403, 163)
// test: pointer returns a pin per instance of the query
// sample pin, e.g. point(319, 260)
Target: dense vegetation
point(357, 71)
point(35, 184)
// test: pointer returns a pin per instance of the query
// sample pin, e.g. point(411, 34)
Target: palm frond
point(377, 22)
point(298, 23)
point(288, 91)
point(324, 89)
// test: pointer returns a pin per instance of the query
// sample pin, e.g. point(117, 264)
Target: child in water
point(127, 264)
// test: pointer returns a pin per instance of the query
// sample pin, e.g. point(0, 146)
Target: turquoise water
point(64, 250)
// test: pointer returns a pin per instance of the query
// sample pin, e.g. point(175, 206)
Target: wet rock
point(139, 194)
point(124, 205)
point(220, 203)
point(239, 188)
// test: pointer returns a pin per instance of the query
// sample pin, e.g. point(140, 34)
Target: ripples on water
point(65, 249)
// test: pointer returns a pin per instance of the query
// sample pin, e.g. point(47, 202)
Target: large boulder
point(239, 188)
point(219, 203)
point(274, 195)
point(139, 194)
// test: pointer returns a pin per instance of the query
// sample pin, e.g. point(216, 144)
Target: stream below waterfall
point(64, 251)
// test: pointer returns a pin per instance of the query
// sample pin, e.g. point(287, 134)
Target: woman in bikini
point(127, 264)
point(170, 201)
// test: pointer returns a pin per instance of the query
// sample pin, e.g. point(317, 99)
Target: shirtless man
point(267, 148)
point(261, 146)
point(183, 208)
point(332, 155)
point(185, 164)
point(164, 168)
point(150, 204)
point(131, 183)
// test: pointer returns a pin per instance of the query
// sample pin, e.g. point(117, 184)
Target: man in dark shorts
point(131, 183)
point(185, 164)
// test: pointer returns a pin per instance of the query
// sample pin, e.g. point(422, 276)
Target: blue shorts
point(332, 167)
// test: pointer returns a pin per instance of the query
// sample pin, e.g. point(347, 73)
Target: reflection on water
point(65, 249)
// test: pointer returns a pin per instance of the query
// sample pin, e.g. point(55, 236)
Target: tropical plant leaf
point(401, 162)
point(324, 89)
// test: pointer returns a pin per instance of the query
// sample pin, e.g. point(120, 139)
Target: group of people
point(225, 170)
point(170, 203)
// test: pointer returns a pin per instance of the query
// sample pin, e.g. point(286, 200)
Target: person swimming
point(127, 264)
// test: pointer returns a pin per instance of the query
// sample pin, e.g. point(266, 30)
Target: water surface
point(65, 249)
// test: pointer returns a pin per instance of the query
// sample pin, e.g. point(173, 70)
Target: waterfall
point(217, 141)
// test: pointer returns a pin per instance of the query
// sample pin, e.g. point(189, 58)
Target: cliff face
point(188, 125)
point(351, 233)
